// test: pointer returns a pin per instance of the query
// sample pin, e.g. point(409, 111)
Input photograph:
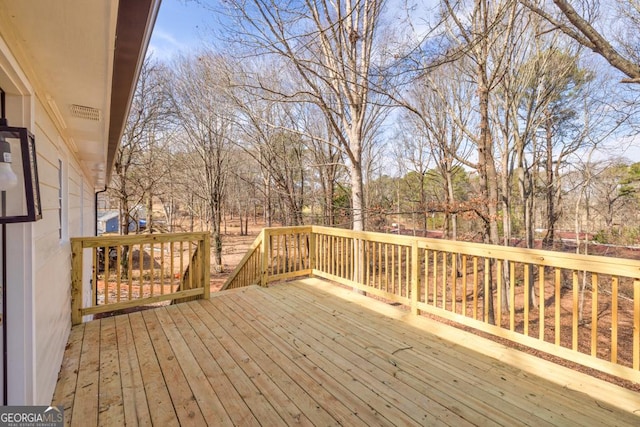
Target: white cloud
point(164, 45)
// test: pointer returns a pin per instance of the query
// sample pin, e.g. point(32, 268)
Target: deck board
point(86, 402)
point(110, 399)
point(181, 392)
point(507, 374)
point(205, 396)
point(311, 353)
point(229, 399)
point(297, 366)
point(270, 378)
point(279, 369)
point(377, 356)
point(460, 371)
point(250, 394)
point(394, 402)
point(157, 394)
point(136, 409)
point(485, 393)
point(66, 387)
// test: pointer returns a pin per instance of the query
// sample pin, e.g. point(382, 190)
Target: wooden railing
point(276, 254)
point(585, 309)
point(112, 273)
point(249, 270)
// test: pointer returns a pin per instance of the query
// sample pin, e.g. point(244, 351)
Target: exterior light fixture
point(8, 179)
point(18, 175)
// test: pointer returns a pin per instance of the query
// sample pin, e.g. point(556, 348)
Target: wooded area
point(497, 121)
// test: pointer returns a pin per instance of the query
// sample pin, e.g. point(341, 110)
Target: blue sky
point(180, 27)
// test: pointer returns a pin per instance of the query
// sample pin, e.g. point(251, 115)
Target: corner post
point(76, 281)
point(205, 250)
point(312, 250)
point(264, 255)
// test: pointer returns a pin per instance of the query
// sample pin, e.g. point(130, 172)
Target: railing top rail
point(593, 263)
point(274, 231)
point(98, 241)
point(365, 235)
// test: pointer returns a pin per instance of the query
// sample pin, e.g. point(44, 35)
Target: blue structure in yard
point(109, 222)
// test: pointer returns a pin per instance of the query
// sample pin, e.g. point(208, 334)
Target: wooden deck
point(311, 353)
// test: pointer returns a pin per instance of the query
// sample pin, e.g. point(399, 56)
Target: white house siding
point(39, 282)
point(52, 287)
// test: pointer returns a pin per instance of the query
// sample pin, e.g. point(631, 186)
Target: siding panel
point(52, 275)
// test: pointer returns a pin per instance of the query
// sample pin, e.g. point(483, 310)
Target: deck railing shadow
point(581, 308)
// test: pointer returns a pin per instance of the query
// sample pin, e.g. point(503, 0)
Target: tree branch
point(585, 34)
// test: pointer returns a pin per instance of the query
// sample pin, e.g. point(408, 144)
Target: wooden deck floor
point(310, 353)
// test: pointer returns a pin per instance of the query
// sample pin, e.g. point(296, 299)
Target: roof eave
point(133, 32)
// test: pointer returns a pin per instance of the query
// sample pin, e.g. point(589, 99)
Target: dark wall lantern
point(18, 175)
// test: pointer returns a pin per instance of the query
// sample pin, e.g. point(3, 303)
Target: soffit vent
point(84, 112)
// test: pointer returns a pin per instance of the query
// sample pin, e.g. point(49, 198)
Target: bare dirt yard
point(234, 247)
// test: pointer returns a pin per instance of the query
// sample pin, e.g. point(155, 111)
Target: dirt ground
point(234, 247)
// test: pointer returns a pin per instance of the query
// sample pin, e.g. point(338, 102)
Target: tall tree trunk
point(527, 198)
point(191, 217)
point(268, 208)
point(488, 179)
point(216, 234)
point(357, 206)
point(149, 215)
point(448, 202)
point(423, 202)
point(329, 211)
point(242, 233)
point(357, 197)
point(550, 184)
point(357, 201)
point(124, 216)
point(506, 231)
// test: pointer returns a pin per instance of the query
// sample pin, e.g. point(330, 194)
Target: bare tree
point(325, 157)
point(331, 48)
point(273, 136)
point(136, 173)
point(244, 189)
point(198, 90)
point(480, 29)
point(439, 108)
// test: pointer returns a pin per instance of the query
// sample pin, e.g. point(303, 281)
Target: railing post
point(414, 277)
point(312, 250)
point(358, 261)
point(205, 250)
point(264, 257)
point(76, 281)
